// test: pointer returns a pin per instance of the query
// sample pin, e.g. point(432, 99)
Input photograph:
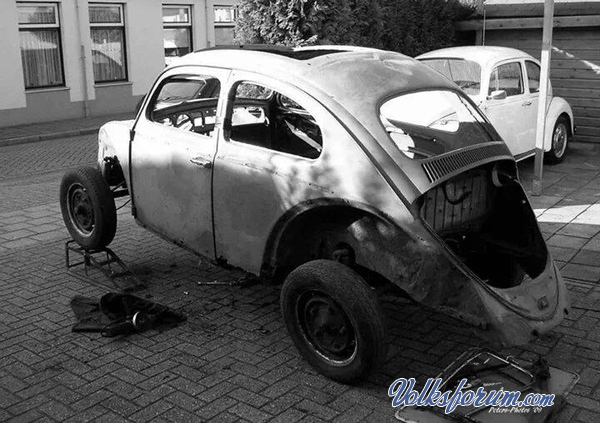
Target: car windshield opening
point(428, 123)
point(465, 73)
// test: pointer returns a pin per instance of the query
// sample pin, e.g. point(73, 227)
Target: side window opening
point(268, 119)
point(507, 77)
point(187, 102)
point(533, 76)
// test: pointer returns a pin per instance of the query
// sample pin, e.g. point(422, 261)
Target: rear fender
point(406, 256)
point(558, 106)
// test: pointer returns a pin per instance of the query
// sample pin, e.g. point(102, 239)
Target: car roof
point(354, 76)
point(484, 55)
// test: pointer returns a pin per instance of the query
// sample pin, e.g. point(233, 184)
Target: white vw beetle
point(504, 83)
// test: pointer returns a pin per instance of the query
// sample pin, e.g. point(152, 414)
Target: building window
point(108, 42)
point(39, 38)
point(177, 28)
point(224, 24)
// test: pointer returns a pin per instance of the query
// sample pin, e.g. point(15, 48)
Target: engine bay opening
point(484, 217)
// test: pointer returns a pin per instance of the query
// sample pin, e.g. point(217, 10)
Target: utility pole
point(543, 96)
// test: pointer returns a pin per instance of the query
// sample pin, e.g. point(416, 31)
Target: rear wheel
point(560, 139)
point(88, 208)
point(335, 320)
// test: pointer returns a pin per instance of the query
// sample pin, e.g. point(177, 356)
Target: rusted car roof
point(355, 77)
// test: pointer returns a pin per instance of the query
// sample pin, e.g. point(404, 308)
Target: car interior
point(259, 116)
point(274, 121)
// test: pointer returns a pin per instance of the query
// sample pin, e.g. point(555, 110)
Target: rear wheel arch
point(311, 231)
point(558, 108)
point(560, 135)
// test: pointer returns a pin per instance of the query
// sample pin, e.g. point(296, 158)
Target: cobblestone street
point(233, 360)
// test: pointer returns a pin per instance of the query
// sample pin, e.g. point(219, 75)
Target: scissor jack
point(128, 281)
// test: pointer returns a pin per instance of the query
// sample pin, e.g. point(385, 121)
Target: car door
point(172, 153)
point(511, 115)
point(269, 158)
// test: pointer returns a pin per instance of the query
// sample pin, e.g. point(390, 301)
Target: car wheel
point(88, 208)
point(560, 139)
point(335, 320)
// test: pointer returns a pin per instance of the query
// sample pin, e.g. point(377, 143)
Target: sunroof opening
point(305, 54)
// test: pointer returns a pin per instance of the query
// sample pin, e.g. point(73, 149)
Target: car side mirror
point(497, 95)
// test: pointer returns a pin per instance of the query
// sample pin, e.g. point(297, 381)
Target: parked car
point(504, 83)
point(339, 171)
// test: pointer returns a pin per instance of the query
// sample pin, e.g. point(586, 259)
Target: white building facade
point(66, 59)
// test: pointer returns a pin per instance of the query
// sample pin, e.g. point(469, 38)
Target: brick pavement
point(232, 360)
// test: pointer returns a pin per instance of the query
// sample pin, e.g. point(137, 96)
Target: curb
point(49, 136)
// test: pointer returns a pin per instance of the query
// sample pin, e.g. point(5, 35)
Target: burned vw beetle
point(334, 170)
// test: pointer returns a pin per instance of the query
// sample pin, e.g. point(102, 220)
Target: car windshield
point(465, 73)
point(427, 123)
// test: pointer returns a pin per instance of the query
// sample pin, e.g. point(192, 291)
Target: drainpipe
point(82, 58)
point(208, 23)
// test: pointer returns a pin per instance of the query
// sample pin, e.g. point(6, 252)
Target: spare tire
point(88, 208)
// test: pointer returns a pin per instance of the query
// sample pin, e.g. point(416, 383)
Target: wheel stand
point(105, 266)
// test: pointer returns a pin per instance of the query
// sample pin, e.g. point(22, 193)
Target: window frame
point(527, 63)
point(150, 109)
point(224, 24)
point(229, 111)
point(44, 27)
point(521, 77)
point(189, 25)
point(111, 25)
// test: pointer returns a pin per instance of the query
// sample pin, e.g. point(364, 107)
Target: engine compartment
point(485, 219)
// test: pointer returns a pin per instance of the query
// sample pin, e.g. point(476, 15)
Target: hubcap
point(80, 209)
point(326, 326)
point(559, 140)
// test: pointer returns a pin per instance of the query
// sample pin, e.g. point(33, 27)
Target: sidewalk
point(28, 133)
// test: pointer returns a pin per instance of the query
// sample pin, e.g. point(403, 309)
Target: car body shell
point(513, 117)
point(265, 211)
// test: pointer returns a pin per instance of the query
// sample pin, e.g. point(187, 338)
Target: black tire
point(561, 134)
point(88, 208)
point(335, 320)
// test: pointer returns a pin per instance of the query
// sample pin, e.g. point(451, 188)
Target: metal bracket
point(106, 265)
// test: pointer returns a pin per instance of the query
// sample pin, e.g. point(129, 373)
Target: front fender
point(558, 106)
point(113, 141)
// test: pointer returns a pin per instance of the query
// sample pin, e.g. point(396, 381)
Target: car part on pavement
point(493, 371)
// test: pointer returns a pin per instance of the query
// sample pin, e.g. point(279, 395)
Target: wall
point(81, 96)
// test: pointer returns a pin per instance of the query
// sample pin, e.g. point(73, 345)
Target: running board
point(122, 277)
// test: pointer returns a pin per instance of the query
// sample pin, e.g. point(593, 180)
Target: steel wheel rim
point(326, 327)
point(559, 140)
point(81, 210)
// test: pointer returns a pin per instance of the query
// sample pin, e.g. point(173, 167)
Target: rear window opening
point(484, 218)
point(425, 124)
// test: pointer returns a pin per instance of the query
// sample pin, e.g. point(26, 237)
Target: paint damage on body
point(434, 209)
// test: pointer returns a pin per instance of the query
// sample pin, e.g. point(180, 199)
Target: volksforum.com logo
point(403, 393)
